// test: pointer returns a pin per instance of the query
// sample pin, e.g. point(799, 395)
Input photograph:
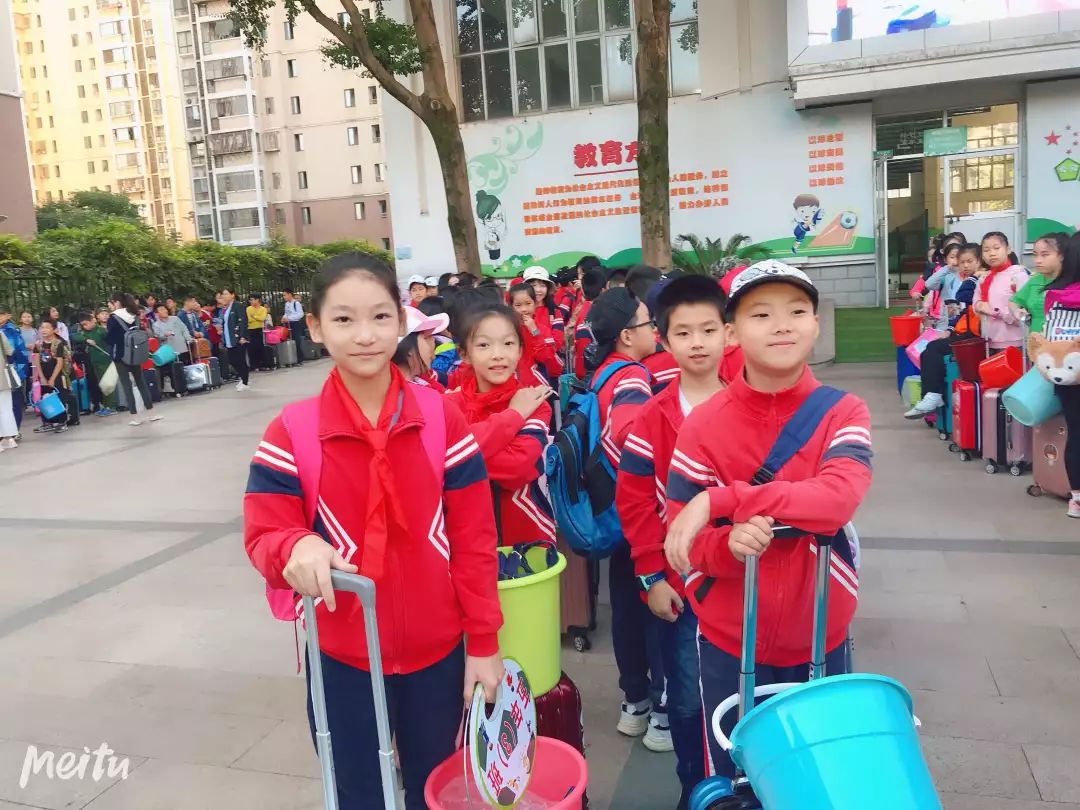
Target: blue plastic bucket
point(842, 741)
point(164, 356)
point(1031, 399)
point(51, 406)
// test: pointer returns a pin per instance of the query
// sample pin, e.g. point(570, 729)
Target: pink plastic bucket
point(560, 776)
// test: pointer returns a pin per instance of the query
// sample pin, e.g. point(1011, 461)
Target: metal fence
point(35, 294)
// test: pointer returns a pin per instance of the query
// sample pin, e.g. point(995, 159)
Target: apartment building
point(102, 104)
point(840, 135)
point(16, 193)
point(280, 143)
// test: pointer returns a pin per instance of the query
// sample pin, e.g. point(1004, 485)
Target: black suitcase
point(310, 349)
point(153, 382)
point(215, 371)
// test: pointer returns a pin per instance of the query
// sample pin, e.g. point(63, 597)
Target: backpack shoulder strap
point(797, 432)
point(301, 420)
point(600, 380)
point(433, 433)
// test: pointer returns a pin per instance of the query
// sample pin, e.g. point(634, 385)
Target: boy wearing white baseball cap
point(738, 470)
point(417, 289)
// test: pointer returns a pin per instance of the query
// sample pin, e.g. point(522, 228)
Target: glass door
point(980, 194)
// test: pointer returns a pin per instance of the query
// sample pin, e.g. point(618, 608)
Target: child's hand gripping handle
point(364, 588)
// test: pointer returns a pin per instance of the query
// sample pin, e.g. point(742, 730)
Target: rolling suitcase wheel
point(1016, 470)
point(580, 638)
point(965, 455)
point(992, 468)
point(1035, 491)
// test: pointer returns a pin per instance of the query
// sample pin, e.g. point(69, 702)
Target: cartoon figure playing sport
point(489, 211)
point(808, 214)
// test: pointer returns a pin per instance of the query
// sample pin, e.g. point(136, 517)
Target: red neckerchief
point(480, 405)
point(984, 285)
point(385, 513)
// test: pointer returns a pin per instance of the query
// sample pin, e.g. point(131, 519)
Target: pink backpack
point(302, 423)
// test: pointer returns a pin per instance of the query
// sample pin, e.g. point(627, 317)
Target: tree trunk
point(653, 27)
point(442, 123)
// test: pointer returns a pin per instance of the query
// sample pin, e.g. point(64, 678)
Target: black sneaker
point(44, 428)
point(60, 429)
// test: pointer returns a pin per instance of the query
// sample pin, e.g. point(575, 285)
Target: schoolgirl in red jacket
point(538, 343)
point(509, 416)
point(412, 514)
point(548, 313)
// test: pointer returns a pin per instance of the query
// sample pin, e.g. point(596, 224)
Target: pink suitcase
point(1005, 442)
point(1048, 462)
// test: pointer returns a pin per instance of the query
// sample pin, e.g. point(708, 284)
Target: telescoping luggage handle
point(365, 589)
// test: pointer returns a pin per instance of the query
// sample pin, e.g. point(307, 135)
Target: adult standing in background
point(124, 318)
point(19, 359)
point(189, 316)
point(234, 335)
point(171, 330)
point(294, 319)
point(257, 317)
point(9, 428)
point(30, 334)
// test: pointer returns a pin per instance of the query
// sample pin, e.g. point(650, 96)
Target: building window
point(90, 167)
point(269, 101)
point(357, 174)
point(386, 243)
point(78, 65)
point(104, 165)
point(87, 142)
point(81, 90)
point(101, 140)
point(376, 133)
point(298, 142)
point(93, 63)
point(85, 117)
point(294, 104)
point(279, 216)
point(301, 179)
point(51, 125)
point(292, 69)
point(71, 14)
point(562, 57)
point(28, 48)
point(56, 171)
point(74, 40)
point(290, 30)
point(305, 215)
point(275, 179)
point(352, 135)
point(358, 210)
point(378, 173)
point(184, 43)
point(373, 94)
point(97, 114)
point(97, 90)
point(350, 97)
point(382, 208)
point(343, 19)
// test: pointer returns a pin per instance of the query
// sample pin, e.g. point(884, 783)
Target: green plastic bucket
point(530, 631)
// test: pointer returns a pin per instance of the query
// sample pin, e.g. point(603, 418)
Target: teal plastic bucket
point(1031, 399)
point(164, 356)
point(846, 741)
point(50, 406)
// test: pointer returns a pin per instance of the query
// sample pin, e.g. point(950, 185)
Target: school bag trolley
point(364, 588)
point(845, 741)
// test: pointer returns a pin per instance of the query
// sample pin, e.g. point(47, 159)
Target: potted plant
point(714, 257)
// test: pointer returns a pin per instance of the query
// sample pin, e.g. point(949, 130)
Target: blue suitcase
point(904, 368)
point(944, 413)
point(81, 391)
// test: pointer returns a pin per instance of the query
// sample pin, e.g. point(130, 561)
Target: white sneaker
point(927, 405)
point(157, 417)
point(658, 736)
point(241, 387)
point(1074, 508)
point(135, 422)
point(634, 720)
point(9, 443)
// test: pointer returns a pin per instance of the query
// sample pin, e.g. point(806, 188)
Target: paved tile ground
point(139, 622)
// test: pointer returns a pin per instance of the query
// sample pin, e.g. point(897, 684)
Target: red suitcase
point(558, 714)
point(967, 419)
point(1005, 442)
point(1048, 462)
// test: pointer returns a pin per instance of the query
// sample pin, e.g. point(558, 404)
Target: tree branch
point(357, 40)
point(436, 88)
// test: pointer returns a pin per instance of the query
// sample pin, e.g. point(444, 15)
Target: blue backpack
point(581, 480)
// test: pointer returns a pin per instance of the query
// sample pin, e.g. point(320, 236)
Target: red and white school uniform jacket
point(665, 370)
point(541, 348)
point(440, 580)
point(641, 486)
point(720, 447)
point(513, 451)
point(620, 400)
point(553, 322)
point(582, 338)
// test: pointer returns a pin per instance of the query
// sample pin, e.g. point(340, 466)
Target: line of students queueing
point(690, 503)
point(55, 357)
point(982, 289)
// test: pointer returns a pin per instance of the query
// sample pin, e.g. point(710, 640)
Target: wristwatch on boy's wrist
point(648, 580)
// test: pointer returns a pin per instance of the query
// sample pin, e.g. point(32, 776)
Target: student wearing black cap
point(623, 333)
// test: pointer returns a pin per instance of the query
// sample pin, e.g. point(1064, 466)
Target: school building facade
point(841, 139)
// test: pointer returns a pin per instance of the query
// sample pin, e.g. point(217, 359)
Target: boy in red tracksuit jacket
point(623, 333)
point(772, 314)
point(592, 285)
point(690, 318)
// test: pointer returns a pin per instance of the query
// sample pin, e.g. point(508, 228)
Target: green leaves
point(85, 208)
point(714, 257)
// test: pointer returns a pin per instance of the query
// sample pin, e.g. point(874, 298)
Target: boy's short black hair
point(617, 276)
point(592, 282)
point(640, 280)
point(586, 263)
point(687, 290)
point(432, 305)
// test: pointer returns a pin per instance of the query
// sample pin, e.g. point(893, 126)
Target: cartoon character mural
point(808, 214)
point(489, 210)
